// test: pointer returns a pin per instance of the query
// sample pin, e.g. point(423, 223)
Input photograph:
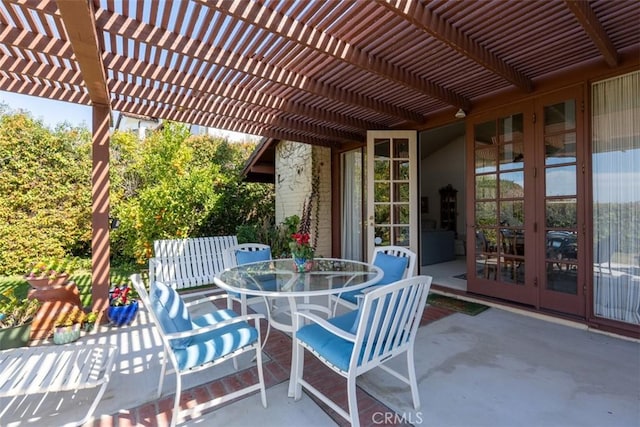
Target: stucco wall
point(293, 185)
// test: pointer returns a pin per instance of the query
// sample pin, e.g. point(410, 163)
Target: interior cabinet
point(448, 208)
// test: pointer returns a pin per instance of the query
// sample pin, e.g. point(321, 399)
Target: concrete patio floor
point(498, 368)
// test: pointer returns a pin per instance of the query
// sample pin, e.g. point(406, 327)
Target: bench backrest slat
point(185, 263)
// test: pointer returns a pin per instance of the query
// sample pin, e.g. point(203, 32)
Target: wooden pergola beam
point(78, 18)
point(589, 21)
point(420, 16)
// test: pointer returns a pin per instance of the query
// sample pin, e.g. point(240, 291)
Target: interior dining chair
point(383, 327)
point(192, 344)
point(245, 253)
point(396, 262)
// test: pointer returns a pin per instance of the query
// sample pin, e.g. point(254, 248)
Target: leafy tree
point(45, 209)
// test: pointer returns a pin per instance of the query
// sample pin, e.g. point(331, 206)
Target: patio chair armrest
point(206, 329)
point(326, 325)
point(199, 301)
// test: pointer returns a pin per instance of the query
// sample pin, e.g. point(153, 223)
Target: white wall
point(293, 185)
point(443, 167)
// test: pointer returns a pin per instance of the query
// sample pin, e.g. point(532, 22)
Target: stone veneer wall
point(293, 185)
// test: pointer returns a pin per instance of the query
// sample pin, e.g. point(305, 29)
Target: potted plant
point(67, 326)
point(302, 252)
point(90, 321)
point(16, 316)
point(49, 272)
point(123, 306)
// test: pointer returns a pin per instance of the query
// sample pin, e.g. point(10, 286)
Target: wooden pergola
point(321, 72)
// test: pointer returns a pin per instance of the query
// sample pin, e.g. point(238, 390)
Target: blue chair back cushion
point(171, 312)
point(392, 266)
point(245, 257)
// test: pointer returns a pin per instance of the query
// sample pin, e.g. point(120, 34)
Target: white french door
point(392, 189)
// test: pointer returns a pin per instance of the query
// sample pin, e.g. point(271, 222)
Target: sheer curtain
point(352, 205)
point(616, 197)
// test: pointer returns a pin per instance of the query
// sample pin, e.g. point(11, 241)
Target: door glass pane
point(486, 186)
point(512, 213)
point(401, 148)
point(561, 213)
point(382, 236)
point(560, 181)
point(560, 148)
point(485, 134)
point(401, 212)
point(382, 191)
point(382, 214)
point(401, 170)
point(560, 117)
point(486, 159)
point(486, 213)
point(510, 129)
point(511, 185)
point(381, 170)
point(382, 148)
point(401, 236)
point(401, 192)
point(511, 156)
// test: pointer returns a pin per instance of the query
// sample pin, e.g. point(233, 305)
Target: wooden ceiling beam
point(591, 24)
point(25, 67)
point(181, 45)
point(216, 88)
point(282, 25)
point(221, 122)
point(79, 21)
point(35, 42)
point(421, 17)
point(156, 104)
point(58, 93)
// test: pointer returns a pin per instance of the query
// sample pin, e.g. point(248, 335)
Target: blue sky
point(53, 113)
point(50, 112)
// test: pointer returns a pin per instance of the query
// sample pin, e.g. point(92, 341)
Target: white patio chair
point(193, 344)
point(245, 253)
point(396, 262)
point(384, 327)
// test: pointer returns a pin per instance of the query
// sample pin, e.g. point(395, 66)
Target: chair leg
point(163, 371)
point(413, 382)
point(353, 402)
point(297, 360)
point(263, 392)
point(176, 402)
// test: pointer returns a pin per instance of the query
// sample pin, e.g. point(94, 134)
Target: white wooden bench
point(189, 263)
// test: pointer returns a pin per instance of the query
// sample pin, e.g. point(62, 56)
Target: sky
point(53, 113)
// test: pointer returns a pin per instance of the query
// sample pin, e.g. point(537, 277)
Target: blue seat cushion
point(331, 347)
point(171, 312)
point(392, 266)
point(245, 257)
point(215, 344)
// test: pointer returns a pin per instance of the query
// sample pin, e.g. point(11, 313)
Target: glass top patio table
point(279, 278)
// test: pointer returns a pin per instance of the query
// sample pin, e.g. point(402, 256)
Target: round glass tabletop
point(279, 277)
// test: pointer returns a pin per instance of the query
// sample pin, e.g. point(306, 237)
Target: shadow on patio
point(495, 369)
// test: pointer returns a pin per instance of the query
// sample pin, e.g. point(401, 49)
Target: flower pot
point(45, 282)
point(14, 337)
point(303, 265)
point(66, 334)
point(123, 314)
